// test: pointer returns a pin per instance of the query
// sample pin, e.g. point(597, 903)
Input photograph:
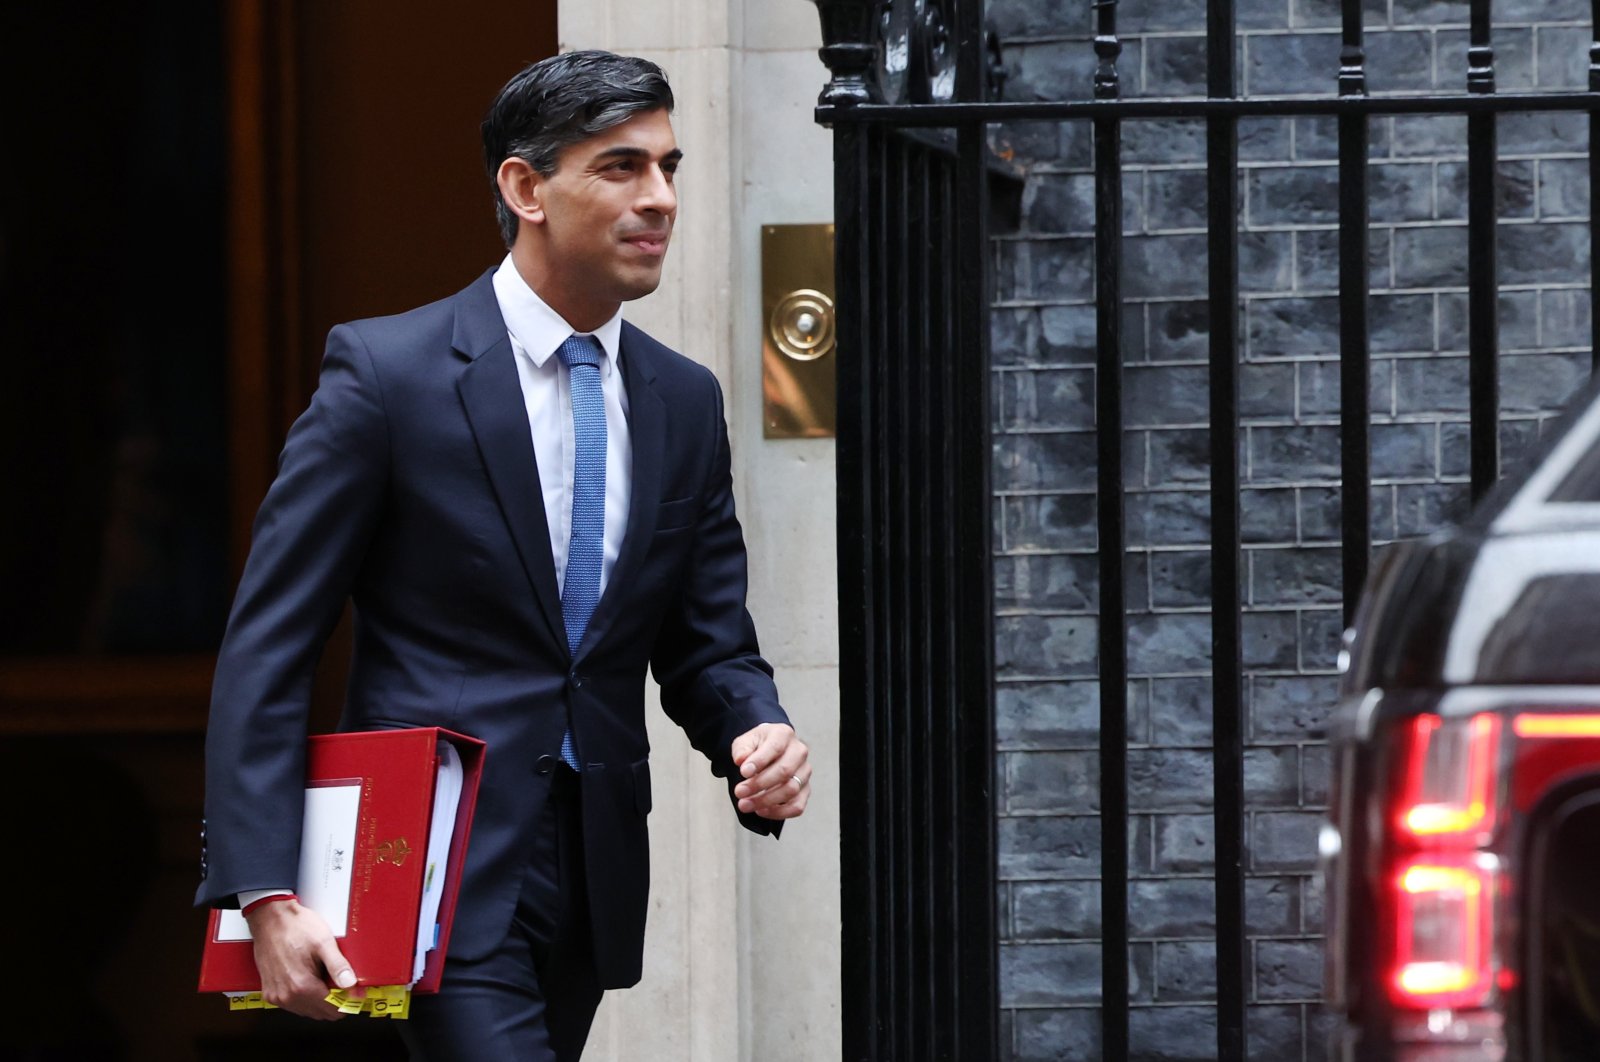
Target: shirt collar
point(537, 328)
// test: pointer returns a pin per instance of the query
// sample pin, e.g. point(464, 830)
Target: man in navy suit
point(529, 502)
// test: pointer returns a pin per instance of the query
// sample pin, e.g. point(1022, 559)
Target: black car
point(1463, 849)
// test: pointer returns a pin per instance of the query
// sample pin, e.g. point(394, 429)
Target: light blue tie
point(586, 549)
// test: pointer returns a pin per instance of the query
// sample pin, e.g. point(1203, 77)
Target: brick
point(1455, 444)
point(1013, 336)
point(1184, 844)
point(1050, 399)
point(1514, 190)
point(1054, 646)
point(1067, 334)
point(1293, 195)
point(1162, 266)
point(1316, 138)
point(1056, 910)
point(1265, 139)
point(1047, 71)
point(1518, 313)
point(1054, 270)
point(1273, 1033)
point(1049, 974)
point(1179, 331)
point(1062, 782)
point(1169, 779)
point(1175, 66)
point(1284, 840)
point(1319, 387)
point(1320, 632)
point(1538, 133)
point(1166, 395)
point(1313, 889)
point(1186, 971)
point(1168, 517)
point(1179, 456)
point(1050, 522)
point(1564, 318)
point(1159, 644)
point(1563, 57)
point(1291, 707)
point(1267, 515)
point(1180, 580)
point(1401, 60)
point(1547, 253)
point(1059, 204)
point(1180, 711)
point(1064, 461)
point(1266, 262)
point(1164, 140)
point(1262, 14)
point(1418, 135)
point(1177, 199)
point(1294, 326)
point(1056, 1035)
point(1402, 323)
point(1291, 63)
point(1542, 10)
point(1423, 508)
point(1288, 969)
point(1533, 382)
point(1517, 439)
point(1141, 972)
point(1321, 514)
point(1272, 778)
point(1048, 847)
point(1266, 390)
point(1033, 141)
point(1316, 772)
point(1036, 18)
point(1048, 581)
point(1564, 188)
point(1270, 640)
point(1047, 714)
point(1403, 451)
point(1172, 1034)
point(1293, 452)
point(1172, 907)
point(1271, 905)
point(1310, 13)
point(1423, 385)
point(1303, 575)
point(1142, 16)
point(1431, 257)
point(1317, 259)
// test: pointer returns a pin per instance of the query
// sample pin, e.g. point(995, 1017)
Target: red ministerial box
point(371, 796)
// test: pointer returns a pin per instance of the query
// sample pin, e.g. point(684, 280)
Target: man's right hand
point(298, 959)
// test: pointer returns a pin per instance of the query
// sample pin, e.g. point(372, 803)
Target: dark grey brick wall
point(1044, 470)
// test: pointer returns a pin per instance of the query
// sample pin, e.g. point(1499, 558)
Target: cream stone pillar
point(742, 953)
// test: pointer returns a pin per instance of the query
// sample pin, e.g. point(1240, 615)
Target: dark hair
point(560, 101)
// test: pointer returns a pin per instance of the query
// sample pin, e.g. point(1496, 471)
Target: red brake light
point(1449, 788)
point(1442, 933)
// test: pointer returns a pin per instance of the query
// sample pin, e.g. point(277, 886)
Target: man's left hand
point(777, 778)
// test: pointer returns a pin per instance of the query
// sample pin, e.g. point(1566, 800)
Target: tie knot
point(580, 350)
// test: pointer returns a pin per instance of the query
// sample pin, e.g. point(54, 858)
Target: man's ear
point(522, 188)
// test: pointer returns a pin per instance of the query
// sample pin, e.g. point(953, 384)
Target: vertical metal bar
point(858, 749)
point(1112, 536)
point(892, 970)
point(895, 469)
point(1227, 668)
point(975, 953)
point(1483, 343)
point(1594, 188)
point(1354, 348)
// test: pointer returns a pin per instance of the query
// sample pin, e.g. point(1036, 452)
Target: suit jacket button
point(544, 765)
point(576, 680)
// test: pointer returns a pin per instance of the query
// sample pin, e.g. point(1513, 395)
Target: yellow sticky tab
point(248, 1001)
point(346, 1004)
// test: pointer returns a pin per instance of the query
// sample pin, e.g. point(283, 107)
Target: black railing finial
point(1480, 53)
point(1352, 55)
point(1107, 47)
point(847, 50)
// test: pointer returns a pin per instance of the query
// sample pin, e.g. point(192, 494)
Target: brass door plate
point(798, 332)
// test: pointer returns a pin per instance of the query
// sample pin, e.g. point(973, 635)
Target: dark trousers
point(533, 998)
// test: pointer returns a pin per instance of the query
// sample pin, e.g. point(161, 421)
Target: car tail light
point(1441, 888)
point(1443, 929)
point(1449, 786)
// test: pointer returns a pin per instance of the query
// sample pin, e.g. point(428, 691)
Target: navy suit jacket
point(410, 487)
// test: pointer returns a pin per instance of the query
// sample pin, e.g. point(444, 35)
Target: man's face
point(609, 209)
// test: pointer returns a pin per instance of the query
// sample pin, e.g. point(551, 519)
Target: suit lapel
point(491, 394)
point(647, 430)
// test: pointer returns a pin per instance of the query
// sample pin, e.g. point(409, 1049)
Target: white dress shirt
point(537, 332)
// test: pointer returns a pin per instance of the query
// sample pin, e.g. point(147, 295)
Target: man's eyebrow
point(625, 151)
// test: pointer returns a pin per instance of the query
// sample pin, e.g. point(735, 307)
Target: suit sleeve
point(714, 682)
point(309, 541)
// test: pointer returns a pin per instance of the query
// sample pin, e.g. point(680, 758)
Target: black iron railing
point(914, 272)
